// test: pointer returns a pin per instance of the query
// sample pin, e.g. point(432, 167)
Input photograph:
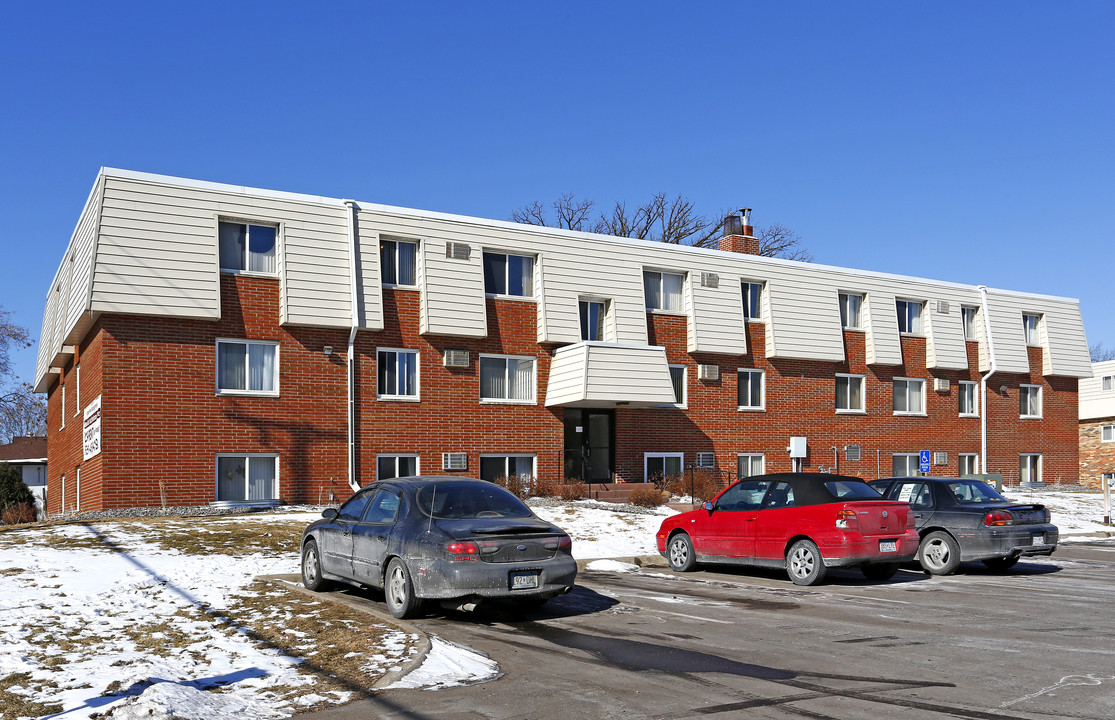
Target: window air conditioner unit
point(941, 384)
point(458, 250)
point(706, 459)
point(456, 358)
point(708, 372)
point(943, 307)
point(710, 280)
point(940, 458)
point(852, 453)
point(454, 461)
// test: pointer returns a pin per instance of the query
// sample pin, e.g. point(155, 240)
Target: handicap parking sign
point(923, 461)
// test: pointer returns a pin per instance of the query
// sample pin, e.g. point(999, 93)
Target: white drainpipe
point(351, 357)
point(983, 380)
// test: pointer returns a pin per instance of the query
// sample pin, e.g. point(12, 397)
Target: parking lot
point(1037, 642)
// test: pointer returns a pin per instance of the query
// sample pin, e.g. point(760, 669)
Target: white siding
point(880, 323)
point(369, 274)
point(1094, 402)
point(804, 317)
point(1065, 345)
point(599, 374)
point(80, 257)
point(716, 323)
point(315, 267)
point(452, 293)
point(1005, 320)
point(945, 347)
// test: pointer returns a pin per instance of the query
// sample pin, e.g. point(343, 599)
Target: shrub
point(647, 497)
point(19, 514)
point(13, 491)
point(573, 492)
point(526, 486)
point(705, 484)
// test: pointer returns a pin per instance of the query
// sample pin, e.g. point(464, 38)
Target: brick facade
point(1097, 458)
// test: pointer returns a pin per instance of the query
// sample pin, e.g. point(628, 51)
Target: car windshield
point(971, 492)
point(467, 501)
point(852, 490)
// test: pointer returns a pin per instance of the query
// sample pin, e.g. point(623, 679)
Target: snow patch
point(449, 665)
point(612, 566)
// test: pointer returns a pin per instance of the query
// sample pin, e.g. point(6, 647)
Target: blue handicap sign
point(923, 461)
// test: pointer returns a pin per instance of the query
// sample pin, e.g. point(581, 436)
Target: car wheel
point(679, 553)
point(804, 564)
point(939, 553)
point(311, 567)
point(879, 571)
point(398, 590)
point(1001, 564)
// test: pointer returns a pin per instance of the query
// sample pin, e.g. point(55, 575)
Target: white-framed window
point(850, 305)
point(909, 316)
point(677, 379)
point(247, 367)
point(968, 320)
point(849, 393)
point(247, 476)
point(1107, 383)
point(398, 261)
point(909, 396)
point(750, 464)
point(752, 300)
point(658, 466)
point(508, 275)
point(593, 314)
point(506, 378)
point(904, 464)
point(493, 467)
point(1029, 467)
point(1029, 401)
point(969, 463)
point(966, 396)
point(62, 400)
point(77, 390)
point(396, 374)
point(1030, 328)
point(1107, 433)
point(398, 465)
point(663, 290)
point(750, 394)
point(77, 489)
point(247, 247)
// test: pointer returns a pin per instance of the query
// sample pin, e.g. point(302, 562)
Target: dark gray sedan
point(456, 540)
point(964, 519)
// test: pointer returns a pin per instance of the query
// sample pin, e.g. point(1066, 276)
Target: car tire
point(679, 553)
point(1001, 564)
point(311, 567)
point(804, 564)
point(398, 590)
point(939, 553)
point(879, 571)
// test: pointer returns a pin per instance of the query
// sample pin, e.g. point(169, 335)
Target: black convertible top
point(810, 488)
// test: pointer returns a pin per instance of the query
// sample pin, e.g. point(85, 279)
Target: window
point(354, 507)
point(592, 319)
point(77, 390)
point(508, 274)
point(909, 396)
point(850, 304)
point(918, 494)
point(508, 466)
point(909, 316)
point(247, 248)
point(904, 464)
point(506, 379)
point(1107, 433)
point(393, 466)
point(398, 261)
point(1029, 467)
point(743, 496)
point(849, 394)
point(1030, 329)
point(969, 463)
point(663, 290)
point(660, 466)
point(749, 394)
point(63, 410)
point(749, 464)
point(752, 300)
point(398, 374)
point(1029, 401)
point(677, 379)
point(384, 509)
point(247, 367)
point(1108, 383)
point(966, 399)
point(242, 478)
point(968, 320)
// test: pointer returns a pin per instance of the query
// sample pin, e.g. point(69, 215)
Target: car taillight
point(1046, 517)
point(466, 550)
point(557, 542)
point(998, 517)
point(846, 520)
point(911, 521)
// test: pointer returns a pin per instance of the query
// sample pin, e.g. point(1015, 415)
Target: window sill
point(853, 329)
point(757, 321)
point(850, 412)
point(398, 398)
point(751, 409)
point(402, 287)
point(910, 414)
point(516, 298)
point(656, 311)
point(491, 401)
point(250, 273)
point(912, 334)
point(1029, 417)
point(969, 415)
point(245, 393)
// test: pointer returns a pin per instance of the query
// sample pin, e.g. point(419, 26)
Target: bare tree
point(661, 219)
point(22, 412)
point(1101, 353)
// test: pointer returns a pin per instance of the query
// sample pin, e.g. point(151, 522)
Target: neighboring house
point(1097, 425)
point(29, 455)
point(215, 343)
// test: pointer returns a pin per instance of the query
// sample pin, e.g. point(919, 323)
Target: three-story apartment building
point(1097, 425)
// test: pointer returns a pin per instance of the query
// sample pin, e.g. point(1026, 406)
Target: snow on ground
point(599, 532)
point(1078, 515)
point(449, 665)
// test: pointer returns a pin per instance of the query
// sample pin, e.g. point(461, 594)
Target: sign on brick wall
point(91, 429)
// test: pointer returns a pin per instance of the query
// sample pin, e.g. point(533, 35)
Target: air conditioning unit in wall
point(943, 307)
point(706, 459)
point(708, 372)
point(454, 461)
point(710, 280)
point(941, 384)
point(458, 250)
point(456, 358)
point(940, 458)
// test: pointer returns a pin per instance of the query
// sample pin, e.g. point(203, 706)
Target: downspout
point(353, 482)
point(983, 380)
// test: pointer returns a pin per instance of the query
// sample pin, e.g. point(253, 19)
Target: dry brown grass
point(14, 705)
point(19, 514)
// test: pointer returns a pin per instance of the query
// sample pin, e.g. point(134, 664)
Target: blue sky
point(967, 141)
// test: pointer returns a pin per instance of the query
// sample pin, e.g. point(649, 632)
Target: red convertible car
point(804, 522)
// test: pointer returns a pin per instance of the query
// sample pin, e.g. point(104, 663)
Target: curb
point(294, 582)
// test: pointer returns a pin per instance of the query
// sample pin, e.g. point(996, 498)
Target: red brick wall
point(1096, 457)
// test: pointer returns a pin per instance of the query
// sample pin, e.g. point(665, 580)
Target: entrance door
point(589, 444)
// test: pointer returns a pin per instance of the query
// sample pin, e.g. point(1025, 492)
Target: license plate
point(1038, 539)
point(524, 580)
point(888, 546)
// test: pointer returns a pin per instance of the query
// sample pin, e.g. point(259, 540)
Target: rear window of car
point(468, 501)
point(973, 492)
point(852, 490)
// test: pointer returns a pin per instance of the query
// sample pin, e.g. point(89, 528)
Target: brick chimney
point(739, 236)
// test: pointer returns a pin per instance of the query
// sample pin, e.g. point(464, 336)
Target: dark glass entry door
point(590, 444)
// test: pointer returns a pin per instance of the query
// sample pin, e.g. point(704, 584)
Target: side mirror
point(707, 506)
point(329, 513)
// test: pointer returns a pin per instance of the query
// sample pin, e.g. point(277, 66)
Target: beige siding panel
point(945, 347)
point(881, 326)
point(716, 322)
point(315, 266)
point(1005, 320)
point(369, 274)
point(803, 321)
point(1094, 402)
point(48, 347)
point(80, 257)
point(602, 374)
point(453, 301)
point(1065, 344)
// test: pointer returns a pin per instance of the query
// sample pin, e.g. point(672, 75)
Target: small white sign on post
point(91, 429)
